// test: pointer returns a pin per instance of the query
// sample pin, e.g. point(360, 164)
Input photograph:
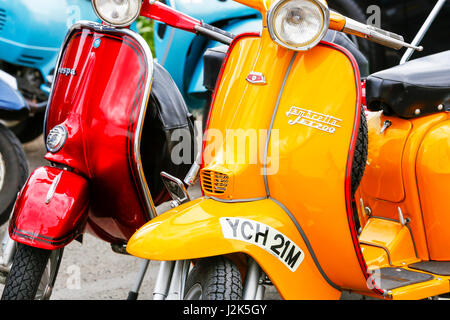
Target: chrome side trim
point(137, 135)
point(235, 200)
point(288, 71)
point(407, 226)
point(51, 190)
point(380, 247)
point(143, 108)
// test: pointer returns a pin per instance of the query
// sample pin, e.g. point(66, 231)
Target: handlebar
point(161, 12)
point(389, 39)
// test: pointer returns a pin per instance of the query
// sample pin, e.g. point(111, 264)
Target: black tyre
point(13, 171)
point(30, 128)
point(214, 278)
point(360, 155)
point(33, 273)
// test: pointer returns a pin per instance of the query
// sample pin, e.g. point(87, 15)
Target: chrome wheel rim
point(194, 293)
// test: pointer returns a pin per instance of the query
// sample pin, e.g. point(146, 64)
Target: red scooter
point(109, 131)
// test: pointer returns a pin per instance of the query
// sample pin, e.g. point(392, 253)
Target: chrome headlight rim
point(56, 138)
point(127, 23)
point(270, 19)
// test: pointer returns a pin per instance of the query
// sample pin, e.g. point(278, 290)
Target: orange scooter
point(283, 156)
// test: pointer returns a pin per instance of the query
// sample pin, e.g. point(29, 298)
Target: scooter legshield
point(261, 229)
point(51, 209)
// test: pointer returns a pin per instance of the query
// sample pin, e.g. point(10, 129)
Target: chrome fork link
point(163, 280)
point(178, 281)
point(9, 249)
point(254, 288)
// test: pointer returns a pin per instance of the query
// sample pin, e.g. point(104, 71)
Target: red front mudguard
point(51, 210)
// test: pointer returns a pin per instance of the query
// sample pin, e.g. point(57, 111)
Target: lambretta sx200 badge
point(322, 122)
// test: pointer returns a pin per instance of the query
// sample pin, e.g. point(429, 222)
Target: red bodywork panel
point(100, 107)
point(101, 101)
point(161, 12)
point(54, 224)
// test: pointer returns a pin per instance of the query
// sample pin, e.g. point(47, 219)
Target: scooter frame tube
point(423, 30)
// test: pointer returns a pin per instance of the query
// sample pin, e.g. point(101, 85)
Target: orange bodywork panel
point(242, 111)
point(420, 173)
point(393, 239)
point(433, 179)
point(383, 178)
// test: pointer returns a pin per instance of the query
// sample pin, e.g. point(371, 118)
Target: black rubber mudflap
point(392, 278)
point(441, 268)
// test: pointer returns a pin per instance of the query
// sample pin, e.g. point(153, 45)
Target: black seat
point(416, 88)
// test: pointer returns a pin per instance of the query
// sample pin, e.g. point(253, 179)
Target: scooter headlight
point(298, 24)
point(117, 13)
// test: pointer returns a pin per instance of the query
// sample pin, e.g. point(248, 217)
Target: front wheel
point(214, 278)
point(33, 273)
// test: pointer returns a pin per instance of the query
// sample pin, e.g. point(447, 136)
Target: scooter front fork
point(254, 288)
point(172, 275)
point(8, 250)
point(171, 280)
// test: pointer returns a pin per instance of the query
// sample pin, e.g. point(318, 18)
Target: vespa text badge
point(67, 71)
point(256, 78)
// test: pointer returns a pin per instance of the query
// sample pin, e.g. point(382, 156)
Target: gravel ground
point(92, 271)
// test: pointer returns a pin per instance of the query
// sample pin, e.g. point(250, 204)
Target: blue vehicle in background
point(31, 32)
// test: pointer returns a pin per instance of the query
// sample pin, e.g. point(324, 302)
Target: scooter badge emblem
point(97, 43)
point(67, 71)
point(319, 121)
point(256, 78)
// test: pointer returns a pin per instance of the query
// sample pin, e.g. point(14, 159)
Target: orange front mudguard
point(260, 229)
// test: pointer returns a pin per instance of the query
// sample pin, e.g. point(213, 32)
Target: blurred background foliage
point(145, 28)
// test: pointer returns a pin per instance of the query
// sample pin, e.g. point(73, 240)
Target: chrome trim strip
point(137, 135)
point(143, 108)
point(407, 225)
point(288, 71)
point(51, 190)
point(235, 200)
point(380, 247)
point(308, 244)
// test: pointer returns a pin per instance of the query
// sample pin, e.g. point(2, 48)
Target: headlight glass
point(118, 13)
point(298, 24)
